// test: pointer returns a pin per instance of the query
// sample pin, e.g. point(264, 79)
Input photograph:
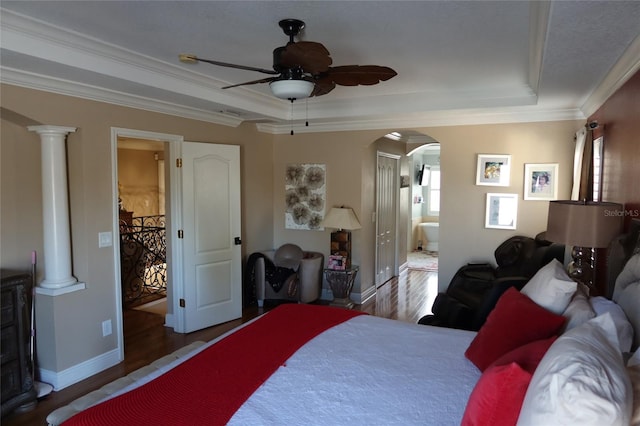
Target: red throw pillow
point(497, 398)
point(515, 321)
point(526, 356)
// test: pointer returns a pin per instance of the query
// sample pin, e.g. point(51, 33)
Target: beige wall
point(69, 325)
point(463, 237)
point(138, 181)
point(343, 155)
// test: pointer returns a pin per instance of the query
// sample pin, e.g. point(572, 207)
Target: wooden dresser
point(17, 384)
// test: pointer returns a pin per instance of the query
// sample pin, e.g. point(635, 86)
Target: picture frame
point(501, 211)
point(541, 181)
point(337, 262)
point(493, 169)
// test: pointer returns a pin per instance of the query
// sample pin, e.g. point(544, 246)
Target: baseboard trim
point(61, 379)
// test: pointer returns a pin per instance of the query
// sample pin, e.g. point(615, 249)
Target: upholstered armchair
point(288, 273)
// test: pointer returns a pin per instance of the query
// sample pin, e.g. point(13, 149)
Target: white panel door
point(386, 225)
point(211, 234)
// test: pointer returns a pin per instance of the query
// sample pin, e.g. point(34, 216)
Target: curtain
point(582, 182)
point(581, 137)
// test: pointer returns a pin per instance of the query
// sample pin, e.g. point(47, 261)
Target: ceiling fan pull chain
point(306, 105)
point(291, 117)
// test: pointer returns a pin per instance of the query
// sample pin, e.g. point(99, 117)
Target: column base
point(59, 291)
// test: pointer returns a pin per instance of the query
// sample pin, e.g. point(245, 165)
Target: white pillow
point(627, 294)
point(633, 368)
point(624, 328)
point(579, 310)
point(551, 287)
point(581, 380)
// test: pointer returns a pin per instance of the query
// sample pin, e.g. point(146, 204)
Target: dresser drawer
point(9, 340)
point(8, 306)
point(11, 380)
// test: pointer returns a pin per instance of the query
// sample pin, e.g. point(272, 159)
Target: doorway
point(203, 228)
point(142, 224)
point(144, 263)
point(424, 229)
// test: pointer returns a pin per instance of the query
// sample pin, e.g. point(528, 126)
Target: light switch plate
point(105, 239)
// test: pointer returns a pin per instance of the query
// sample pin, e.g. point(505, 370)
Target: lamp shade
point(291, 89)
point(341, 218)
point(584, 224)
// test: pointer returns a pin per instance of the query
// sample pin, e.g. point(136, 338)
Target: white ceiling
point(458, 62)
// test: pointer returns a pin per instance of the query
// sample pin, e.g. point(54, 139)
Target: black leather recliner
point(476, 287)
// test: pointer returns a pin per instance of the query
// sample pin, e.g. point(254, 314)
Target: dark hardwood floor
point(404, 298)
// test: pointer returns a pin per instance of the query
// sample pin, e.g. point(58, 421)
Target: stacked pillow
point(579, 309)
point(532, 377)
point(516, 320)
point(512, 342)
point(551, 287)
point(581, 380)
point(627, 292)
point(507, 350)
point(633, 368)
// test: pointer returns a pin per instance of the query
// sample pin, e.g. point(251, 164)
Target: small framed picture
point(337, 262)
point(541, 181)
point(493, 170)
point(502, 211)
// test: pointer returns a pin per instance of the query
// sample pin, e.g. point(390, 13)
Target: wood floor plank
point(405, 298)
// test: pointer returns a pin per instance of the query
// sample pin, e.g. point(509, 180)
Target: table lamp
point(344, 220)
point(585, 225)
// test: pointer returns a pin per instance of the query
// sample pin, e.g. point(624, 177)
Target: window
point(434, 191)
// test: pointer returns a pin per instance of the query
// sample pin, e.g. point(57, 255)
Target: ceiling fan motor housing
point(291, 27)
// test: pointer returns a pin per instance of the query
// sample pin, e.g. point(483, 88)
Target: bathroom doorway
point(424, 229)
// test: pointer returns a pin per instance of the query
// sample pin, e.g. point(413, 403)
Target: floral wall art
point(305, 188)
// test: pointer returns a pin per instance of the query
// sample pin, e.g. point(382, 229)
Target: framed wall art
point(493, 170)
point(541, 181)
point(305, 188)
point(502, 211)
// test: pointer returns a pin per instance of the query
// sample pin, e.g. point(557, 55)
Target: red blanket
point(210, 387)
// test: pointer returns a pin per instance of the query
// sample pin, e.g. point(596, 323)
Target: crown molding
point(434, 119)
point(27, 36)
point(538, 28)
point(84, 91)
point(39, 39)
point(625, 68)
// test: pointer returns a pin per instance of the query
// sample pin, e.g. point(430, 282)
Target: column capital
point(51, 130)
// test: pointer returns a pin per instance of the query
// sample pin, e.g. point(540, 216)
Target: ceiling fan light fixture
point(291, 89)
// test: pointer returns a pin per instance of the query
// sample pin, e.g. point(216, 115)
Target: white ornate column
point(55, 212)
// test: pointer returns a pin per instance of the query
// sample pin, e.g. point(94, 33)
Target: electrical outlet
point(106, 328)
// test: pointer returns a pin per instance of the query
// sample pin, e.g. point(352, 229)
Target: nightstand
point(341, 283)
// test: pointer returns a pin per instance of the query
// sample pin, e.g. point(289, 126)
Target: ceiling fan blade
point(323, 85)
point(262, 80)
point(311, 56)
point(355, 75)
point(192, 59)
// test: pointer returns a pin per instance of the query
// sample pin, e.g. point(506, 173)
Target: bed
point(549, 354)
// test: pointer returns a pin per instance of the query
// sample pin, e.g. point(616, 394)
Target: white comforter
point(369, 371)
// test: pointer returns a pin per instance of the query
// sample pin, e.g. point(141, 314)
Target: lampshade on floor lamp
point(585, 225)
point(344, 220)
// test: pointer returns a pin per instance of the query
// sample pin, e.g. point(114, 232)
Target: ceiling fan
point(302, 69)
